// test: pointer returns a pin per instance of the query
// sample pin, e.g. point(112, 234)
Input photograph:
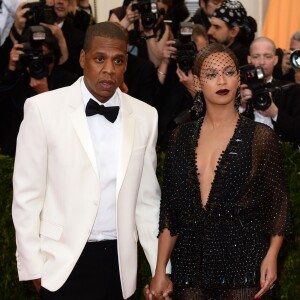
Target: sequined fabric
point(220, 247)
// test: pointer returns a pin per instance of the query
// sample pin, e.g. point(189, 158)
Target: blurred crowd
point(41, 44)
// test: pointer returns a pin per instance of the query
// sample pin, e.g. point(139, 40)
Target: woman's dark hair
point(211, 49)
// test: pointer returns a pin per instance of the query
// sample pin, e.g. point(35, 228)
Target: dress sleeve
point(273, 210)
point(168, 203)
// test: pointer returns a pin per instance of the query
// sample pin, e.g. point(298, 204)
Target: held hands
point(268, 274)
point(161, 288)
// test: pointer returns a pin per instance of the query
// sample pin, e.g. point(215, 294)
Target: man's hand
point(187, 80)
point(14, 56)
point(285, 64)
point(246, 94)
point(37, 285)
point(20, 20)
point(271, 112)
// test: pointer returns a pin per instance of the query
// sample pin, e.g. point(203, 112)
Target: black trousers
point(94, 277)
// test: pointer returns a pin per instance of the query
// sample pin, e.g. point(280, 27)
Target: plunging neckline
point(217, 167)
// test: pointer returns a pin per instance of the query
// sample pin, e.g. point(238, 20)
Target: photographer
point(145, 21)
point(283, 113)
point(175, 97)
point(283, 70)
point(20, 23)
point(32, 69)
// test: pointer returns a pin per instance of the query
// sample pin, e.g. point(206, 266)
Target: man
point(226, 25)
point(84, 183)
point(205, 11)
point(284, 112)
point(31, 76)
point(74, 37)
point(283, 70)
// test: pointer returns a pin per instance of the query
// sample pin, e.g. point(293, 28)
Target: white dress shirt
point(106, 137)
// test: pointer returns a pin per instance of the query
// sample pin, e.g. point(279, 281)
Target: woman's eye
point(210, 75)
point(229, 73)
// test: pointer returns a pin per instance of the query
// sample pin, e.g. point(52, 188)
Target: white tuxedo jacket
point(57, 187)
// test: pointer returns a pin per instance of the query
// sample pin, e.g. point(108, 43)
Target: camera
point(186, 48)
point(33, 57)
point(39, 12)
point(254, 77)
point(295, 59)
point(148, 12)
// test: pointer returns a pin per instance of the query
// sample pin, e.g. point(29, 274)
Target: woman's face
point(219, 79)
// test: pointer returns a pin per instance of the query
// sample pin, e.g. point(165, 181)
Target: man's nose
point(108, 66)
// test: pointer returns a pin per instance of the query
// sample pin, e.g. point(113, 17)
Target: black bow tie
point(109, 112)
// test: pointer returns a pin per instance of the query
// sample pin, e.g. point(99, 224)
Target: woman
point(224, 208)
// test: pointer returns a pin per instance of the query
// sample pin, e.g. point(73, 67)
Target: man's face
point(104, 65)
point(61, 9)
point(294, 45)
point(262, 54)
point(211, 6)
point(219, 32)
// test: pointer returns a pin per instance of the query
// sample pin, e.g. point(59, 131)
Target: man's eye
point(100, 59)
point(118, 61)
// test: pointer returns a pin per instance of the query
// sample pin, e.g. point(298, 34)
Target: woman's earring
point(237, 100)
point(198, 104)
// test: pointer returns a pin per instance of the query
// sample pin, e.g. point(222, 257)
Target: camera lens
point(38, 69)
point(295, 59)
point(261, 100)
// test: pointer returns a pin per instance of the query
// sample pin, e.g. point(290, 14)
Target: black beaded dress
point(220, 246)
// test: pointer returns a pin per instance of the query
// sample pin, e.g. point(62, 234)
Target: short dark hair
point(211, 49)
point(107, 29)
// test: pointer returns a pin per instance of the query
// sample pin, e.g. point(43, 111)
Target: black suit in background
point(173, 104)
point(12, 102)
point(287, 125)
point(141, 80)
point(74, 39)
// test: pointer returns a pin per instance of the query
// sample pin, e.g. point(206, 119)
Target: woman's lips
point(222, 92)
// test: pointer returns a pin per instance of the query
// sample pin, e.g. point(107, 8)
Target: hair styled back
point(211, 49)
point(107, 29)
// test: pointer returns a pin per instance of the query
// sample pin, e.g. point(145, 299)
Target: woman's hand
point(268, 274)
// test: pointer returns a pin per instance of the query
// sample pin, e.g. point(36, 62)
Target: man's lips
point(107, 84)
point(222, 92)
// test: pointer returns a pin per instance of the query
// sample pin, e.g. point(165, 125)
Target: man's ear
point(275, 60)
point(249, 59)
point(234, 31)
point(82, 59)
